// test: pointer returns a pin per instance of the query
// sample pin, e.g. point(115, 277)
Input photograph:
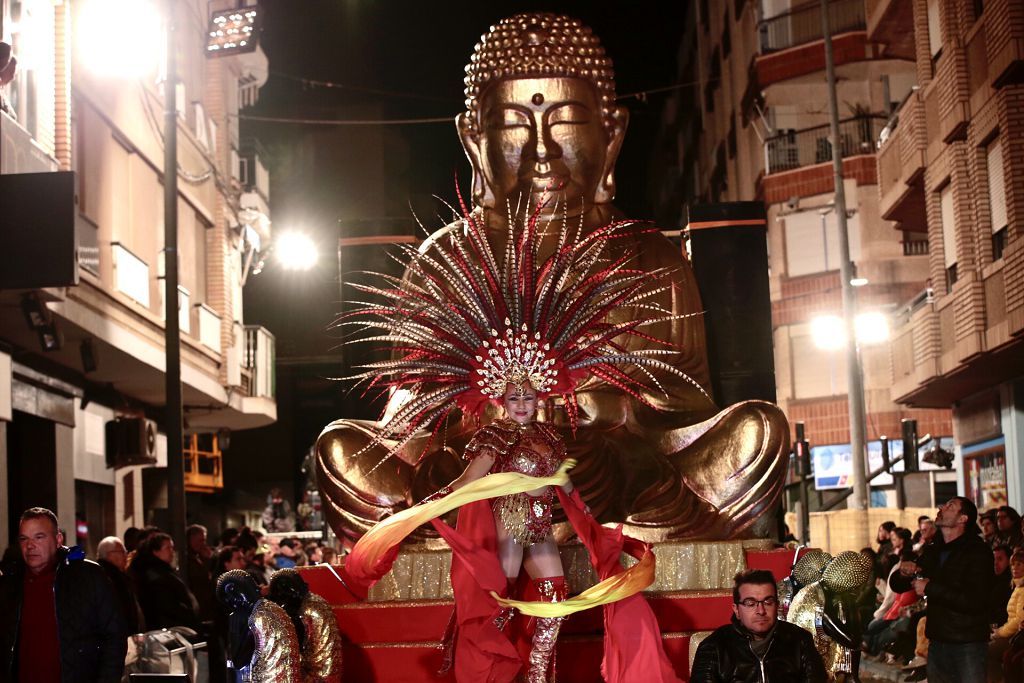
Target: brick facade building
point(758, 130)
point(953, 168)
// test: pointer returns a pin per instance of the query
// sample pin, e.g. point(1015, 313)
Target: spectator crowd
point(949, 604)
point(66, 618)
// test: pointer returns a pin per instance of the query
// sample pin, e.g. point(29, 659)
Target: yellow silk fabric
point(629, 582)
point(388, 533)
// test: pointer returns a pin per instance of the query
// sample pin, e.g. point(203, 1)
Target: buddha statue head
point(541, 118)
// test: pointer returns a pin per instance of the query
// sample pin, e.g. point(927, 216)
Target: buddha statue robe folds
point(542, 129)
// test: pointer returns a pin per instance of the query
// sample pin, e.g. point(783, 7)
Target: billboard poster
point(985, 474)
point(833, 465)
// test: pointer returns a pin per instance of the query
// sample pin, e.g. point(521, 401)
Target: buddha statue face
point(541, 120)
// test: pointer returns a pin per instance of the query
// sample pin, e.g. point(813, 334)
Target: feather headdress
point(466, 322)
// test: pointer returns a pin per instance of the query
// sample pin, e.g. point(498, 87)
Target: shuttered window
point(814, 248)
point(934, 28)
point(996, 185)
point(816, 372)
point(948, 225)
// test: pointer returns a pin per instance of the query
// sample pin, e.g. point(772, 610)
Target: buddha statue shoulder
point(542, 132)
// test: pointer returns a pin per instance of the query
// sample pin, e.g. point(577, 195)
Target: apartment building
point(952, 168)
point(753, 124)
point(82, 363)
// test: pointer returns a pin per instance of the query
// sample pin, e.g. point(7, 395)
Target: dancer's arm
point(478, 467)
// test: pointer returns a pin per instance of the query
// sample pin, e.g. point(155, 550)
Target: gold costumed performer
point(521, 330)
point(262, 644)
point(829, 608)
point(315, 626)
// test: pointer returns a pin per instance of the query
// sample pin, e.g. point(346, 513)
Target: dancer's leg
point(544, 566)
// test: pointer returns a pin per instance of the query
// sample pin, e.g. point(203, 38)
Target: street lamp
point(828, 332)
point(107, 25)
point(115, 37)
point(295, 251)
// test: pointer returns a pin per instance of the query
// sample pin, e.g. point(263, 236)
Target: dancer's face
point(520, 402)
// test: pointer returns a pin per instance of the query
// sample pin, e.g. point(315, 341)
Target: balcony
point(19, 152)
point(203, 464)
point(1005, 42)
point(901, 164)
point(792, 149)
point(791, 44)
point(890, 23)
point(258, 378)
point(803, 24)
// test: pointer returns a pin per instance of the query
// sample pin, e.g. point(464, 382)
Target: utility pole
point(855, 374)
point(172, 332)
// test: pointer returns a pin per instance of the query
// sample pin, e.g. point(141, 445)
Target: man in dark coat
point(957, 579)
point(756, 646)
point(165, 599)
point(59, 621)
point(112, 556)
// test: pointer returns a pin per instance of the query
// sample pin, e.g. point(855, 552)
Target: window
point(29, 27)
point(812, 242)
point(934, 29)
point(997, 197)
point(816, 372)
point(948, 233)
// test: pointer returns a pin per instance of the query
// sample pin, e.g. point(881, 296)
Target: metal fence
point(803, 24)
point(792, 148)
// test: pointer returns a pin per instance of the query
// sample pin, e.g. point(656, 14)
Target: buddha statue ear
point(605, 191)
point(482, 195)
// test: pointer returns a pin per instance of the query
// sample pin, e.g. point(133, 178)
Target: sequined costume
point(321, 655)
point(827, 608)
point(535, 449)
point(277, 658)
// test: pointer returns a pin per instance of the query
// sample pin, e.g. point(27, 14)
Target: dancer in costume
point(519, 330)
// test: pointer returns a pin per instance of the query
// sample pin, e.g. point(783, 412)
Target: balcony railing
point(803, 24)
point(791, 149)
point(259, 361)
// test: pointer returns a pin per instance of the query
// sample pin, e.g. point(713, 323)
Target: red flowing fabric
point(633, 652)
point(482, 652)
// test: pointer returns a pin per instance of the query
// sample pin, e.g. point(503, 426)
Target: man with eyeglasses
point(755, 645)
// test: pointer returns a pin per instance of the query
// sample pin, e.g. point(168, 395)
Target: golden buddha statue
point(542, 132)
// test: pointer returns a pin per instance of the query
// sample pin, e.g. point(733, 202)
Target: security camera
point(793, 203)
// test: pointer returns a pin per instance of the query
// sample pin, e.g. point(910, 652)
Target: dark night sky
point(420, 48)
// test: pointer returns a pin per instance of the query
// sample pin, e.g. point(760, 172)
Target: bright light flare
point(828, 332)
point(119, 38)
point(295, 251)
point(872, 328)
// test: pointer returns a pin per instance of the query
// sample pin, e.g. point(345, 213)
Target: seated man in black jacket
point(957, 578)
point(756, 646)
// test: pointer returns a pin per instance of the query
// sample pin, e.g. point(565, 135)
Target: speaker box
point(729, 250)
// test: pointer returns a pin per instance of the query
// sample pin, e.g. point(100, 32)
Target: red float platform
point(396, 642)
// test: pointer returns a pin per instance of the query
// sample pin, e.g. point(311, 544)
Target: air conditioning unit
point(131, 441)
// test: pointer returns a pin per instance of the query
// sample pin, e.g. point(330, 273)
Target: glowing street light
point(828, 332)
point(119, 38)
point(295, 251)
